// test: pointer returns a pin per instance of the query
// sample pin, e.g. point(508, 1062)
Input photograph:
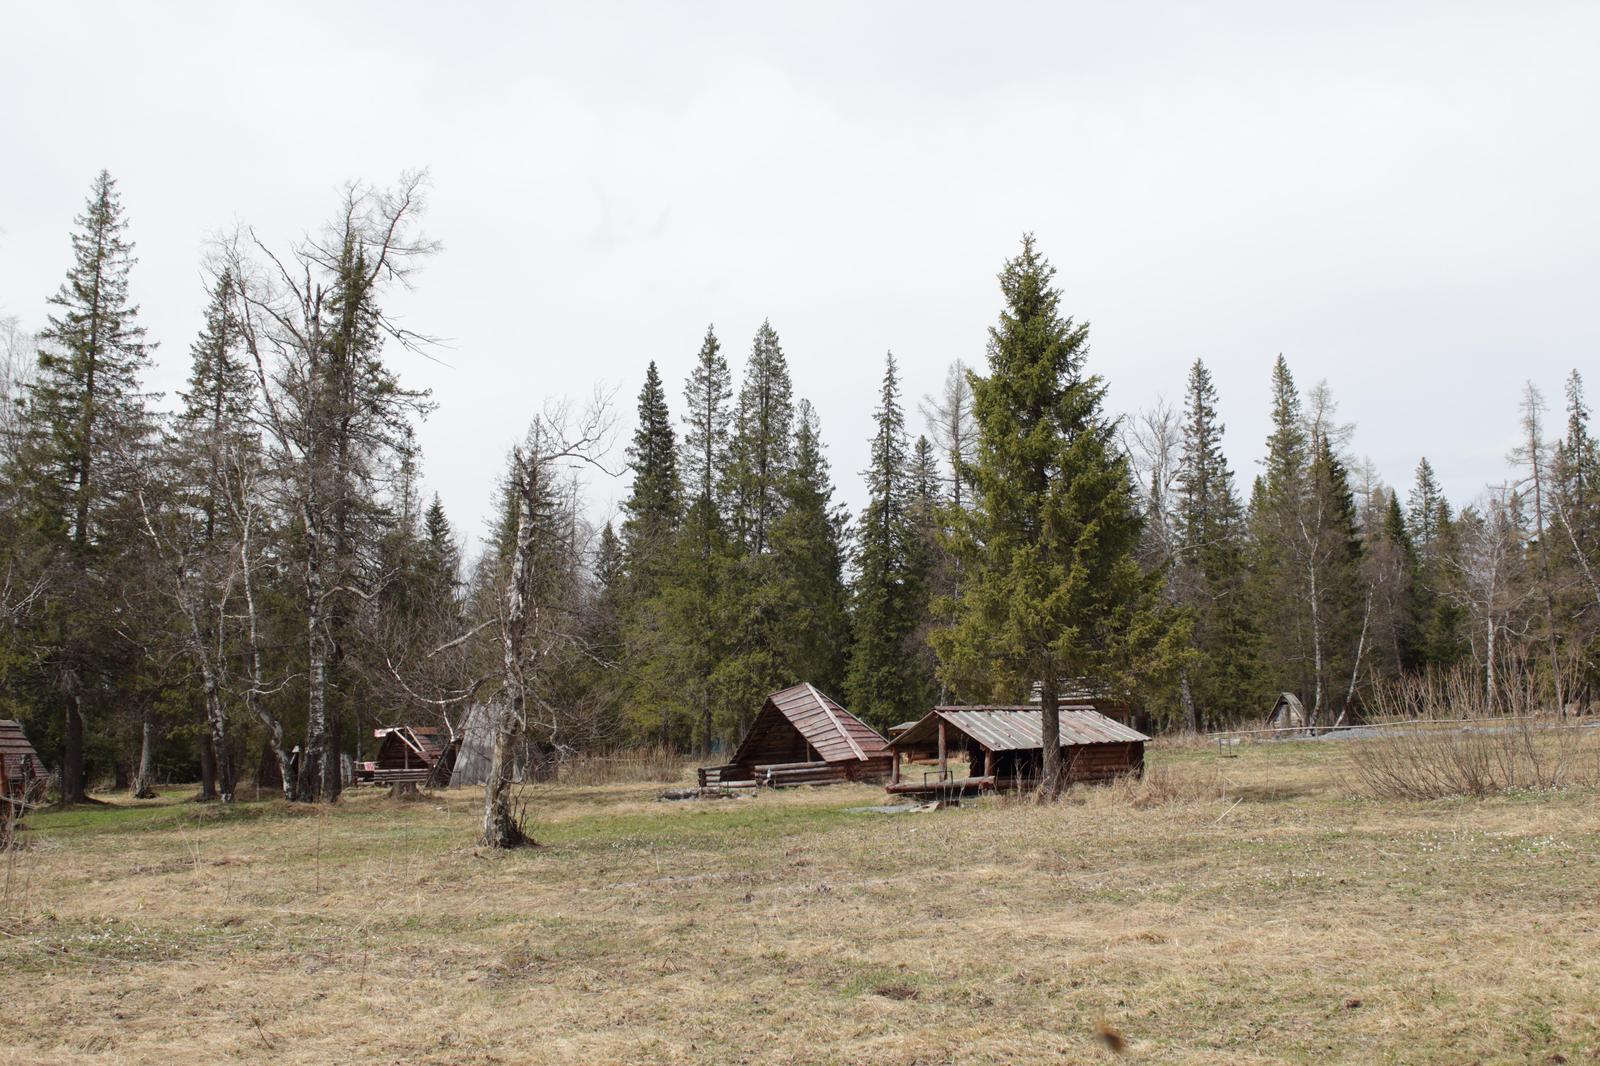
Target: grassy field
point(1226, 910)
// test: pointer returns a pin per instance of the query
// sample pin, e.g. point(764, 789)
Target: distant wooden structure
point(23, 777)
point(801, 737)
point(409, 756)
point(1087, 694)
point(1287, 713)
point(1003, 748)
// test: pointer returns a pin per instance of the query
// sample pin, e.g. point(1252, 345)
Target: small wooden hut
point(412, 755)
point(801, 737)
point(23, 777)
point(1003, 749)
point(1287, 713)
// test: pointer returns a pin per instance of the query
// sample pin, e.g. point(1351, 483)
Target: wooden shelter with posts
point(23, 777)
point(1003, 750)
point(409, 756)
point(801, 737)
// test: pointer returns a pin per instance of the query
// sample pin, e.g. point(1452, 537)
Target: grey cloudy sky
point(1399, 197)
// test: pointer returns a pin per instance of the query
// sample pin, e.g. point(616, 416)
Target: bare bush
point(1445, 735)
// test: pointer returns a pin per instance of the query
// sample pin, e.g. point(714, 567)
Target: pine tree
point(86, 433)
point(882, 686)
point(1051, 587)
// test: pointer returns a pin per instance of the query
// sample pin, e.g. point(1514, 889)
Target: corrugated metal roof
point(1018, 728)
point(835, 733)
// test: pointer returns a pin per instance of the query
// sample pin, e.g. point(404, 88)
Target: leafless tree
point(332, 413)
point(1533, 454)
point(952, 426)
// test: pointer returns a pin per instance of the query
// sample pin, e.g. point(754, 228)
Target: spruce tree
point(702, 551)
point(882, 685)
point(86, 434)
point(1051, 586)
point(652, 505)
point(1210, 572)
point(653, 684)
point(811, 637)
point(763, 446)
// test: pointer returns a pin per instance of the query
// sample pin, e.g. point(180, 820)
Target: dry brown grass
point(1224, 910)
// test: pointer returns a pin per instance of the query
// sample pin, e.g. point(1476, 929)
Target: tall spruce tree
point(883, 684)
point(1051, 587)
point(811, 637)
point(652, 506)
point(702, 550)
point(86, 432)
point(1210, 572)
point(763, 447)
point(653, 683)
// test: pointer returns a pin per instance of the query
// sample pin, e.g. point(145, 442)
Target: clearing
point(1226, 910)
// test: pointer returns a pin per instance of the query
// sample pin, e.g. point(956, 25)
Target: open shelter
point(1003, 748)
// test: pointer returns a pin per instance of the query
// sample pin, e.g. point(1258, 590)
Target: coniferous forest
point(193, 586)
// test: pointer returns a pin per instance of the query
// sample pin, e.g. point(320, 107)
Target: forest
point(250, 572)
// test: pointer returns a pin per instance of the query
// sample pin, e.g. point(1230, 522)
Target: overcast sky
point(1404, 199)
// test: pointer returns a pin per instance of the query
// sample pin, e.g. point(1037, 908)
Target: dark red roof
point(835, 733)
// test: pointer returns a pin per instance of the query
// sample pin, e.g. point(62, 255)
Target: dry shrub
point(1447, 735)
point(1158, 786)
point(642, 766)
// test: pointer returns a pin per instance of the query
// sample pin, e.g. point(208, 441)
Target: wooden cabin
point(801, 737)
point(23, 777)
point(410, 755)
point(1002, 749)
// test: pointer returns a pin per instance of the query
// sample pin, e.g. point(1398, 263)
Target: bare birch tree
point(334, 415)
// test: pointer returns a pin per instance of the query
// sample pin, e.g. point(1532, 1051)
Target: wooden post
point(894, 770)
point(944, 762)
point(988, 762)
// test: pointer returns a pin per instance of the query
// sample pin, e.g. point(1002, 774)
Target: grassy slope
point(1231, 910)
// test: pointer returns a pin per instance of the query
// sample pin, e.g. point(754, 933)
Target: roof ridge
point(840, 726)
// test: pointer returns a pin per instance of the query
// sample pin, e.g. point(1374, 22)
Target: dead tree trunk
point(501, 826)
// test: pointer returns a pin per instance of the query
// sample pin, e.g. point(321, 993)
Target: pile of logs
point(790, 774)
point(773, 775)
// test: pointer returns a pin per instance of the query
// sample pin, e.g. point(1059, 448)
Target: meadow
point(1246, 909)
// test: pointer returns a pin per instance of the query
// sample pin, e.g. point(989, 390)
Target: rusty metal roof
point(835, 733)
point(14, 747)
point(1017, 728)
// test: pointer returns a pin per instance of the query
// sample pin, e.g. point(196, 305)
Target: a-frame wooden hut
point(801, 737)
point(23, 777)
point(1287, 713)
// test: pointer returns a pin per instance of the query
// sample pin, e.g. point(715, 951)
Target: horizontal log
point(818, 765)
point(955, 785)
